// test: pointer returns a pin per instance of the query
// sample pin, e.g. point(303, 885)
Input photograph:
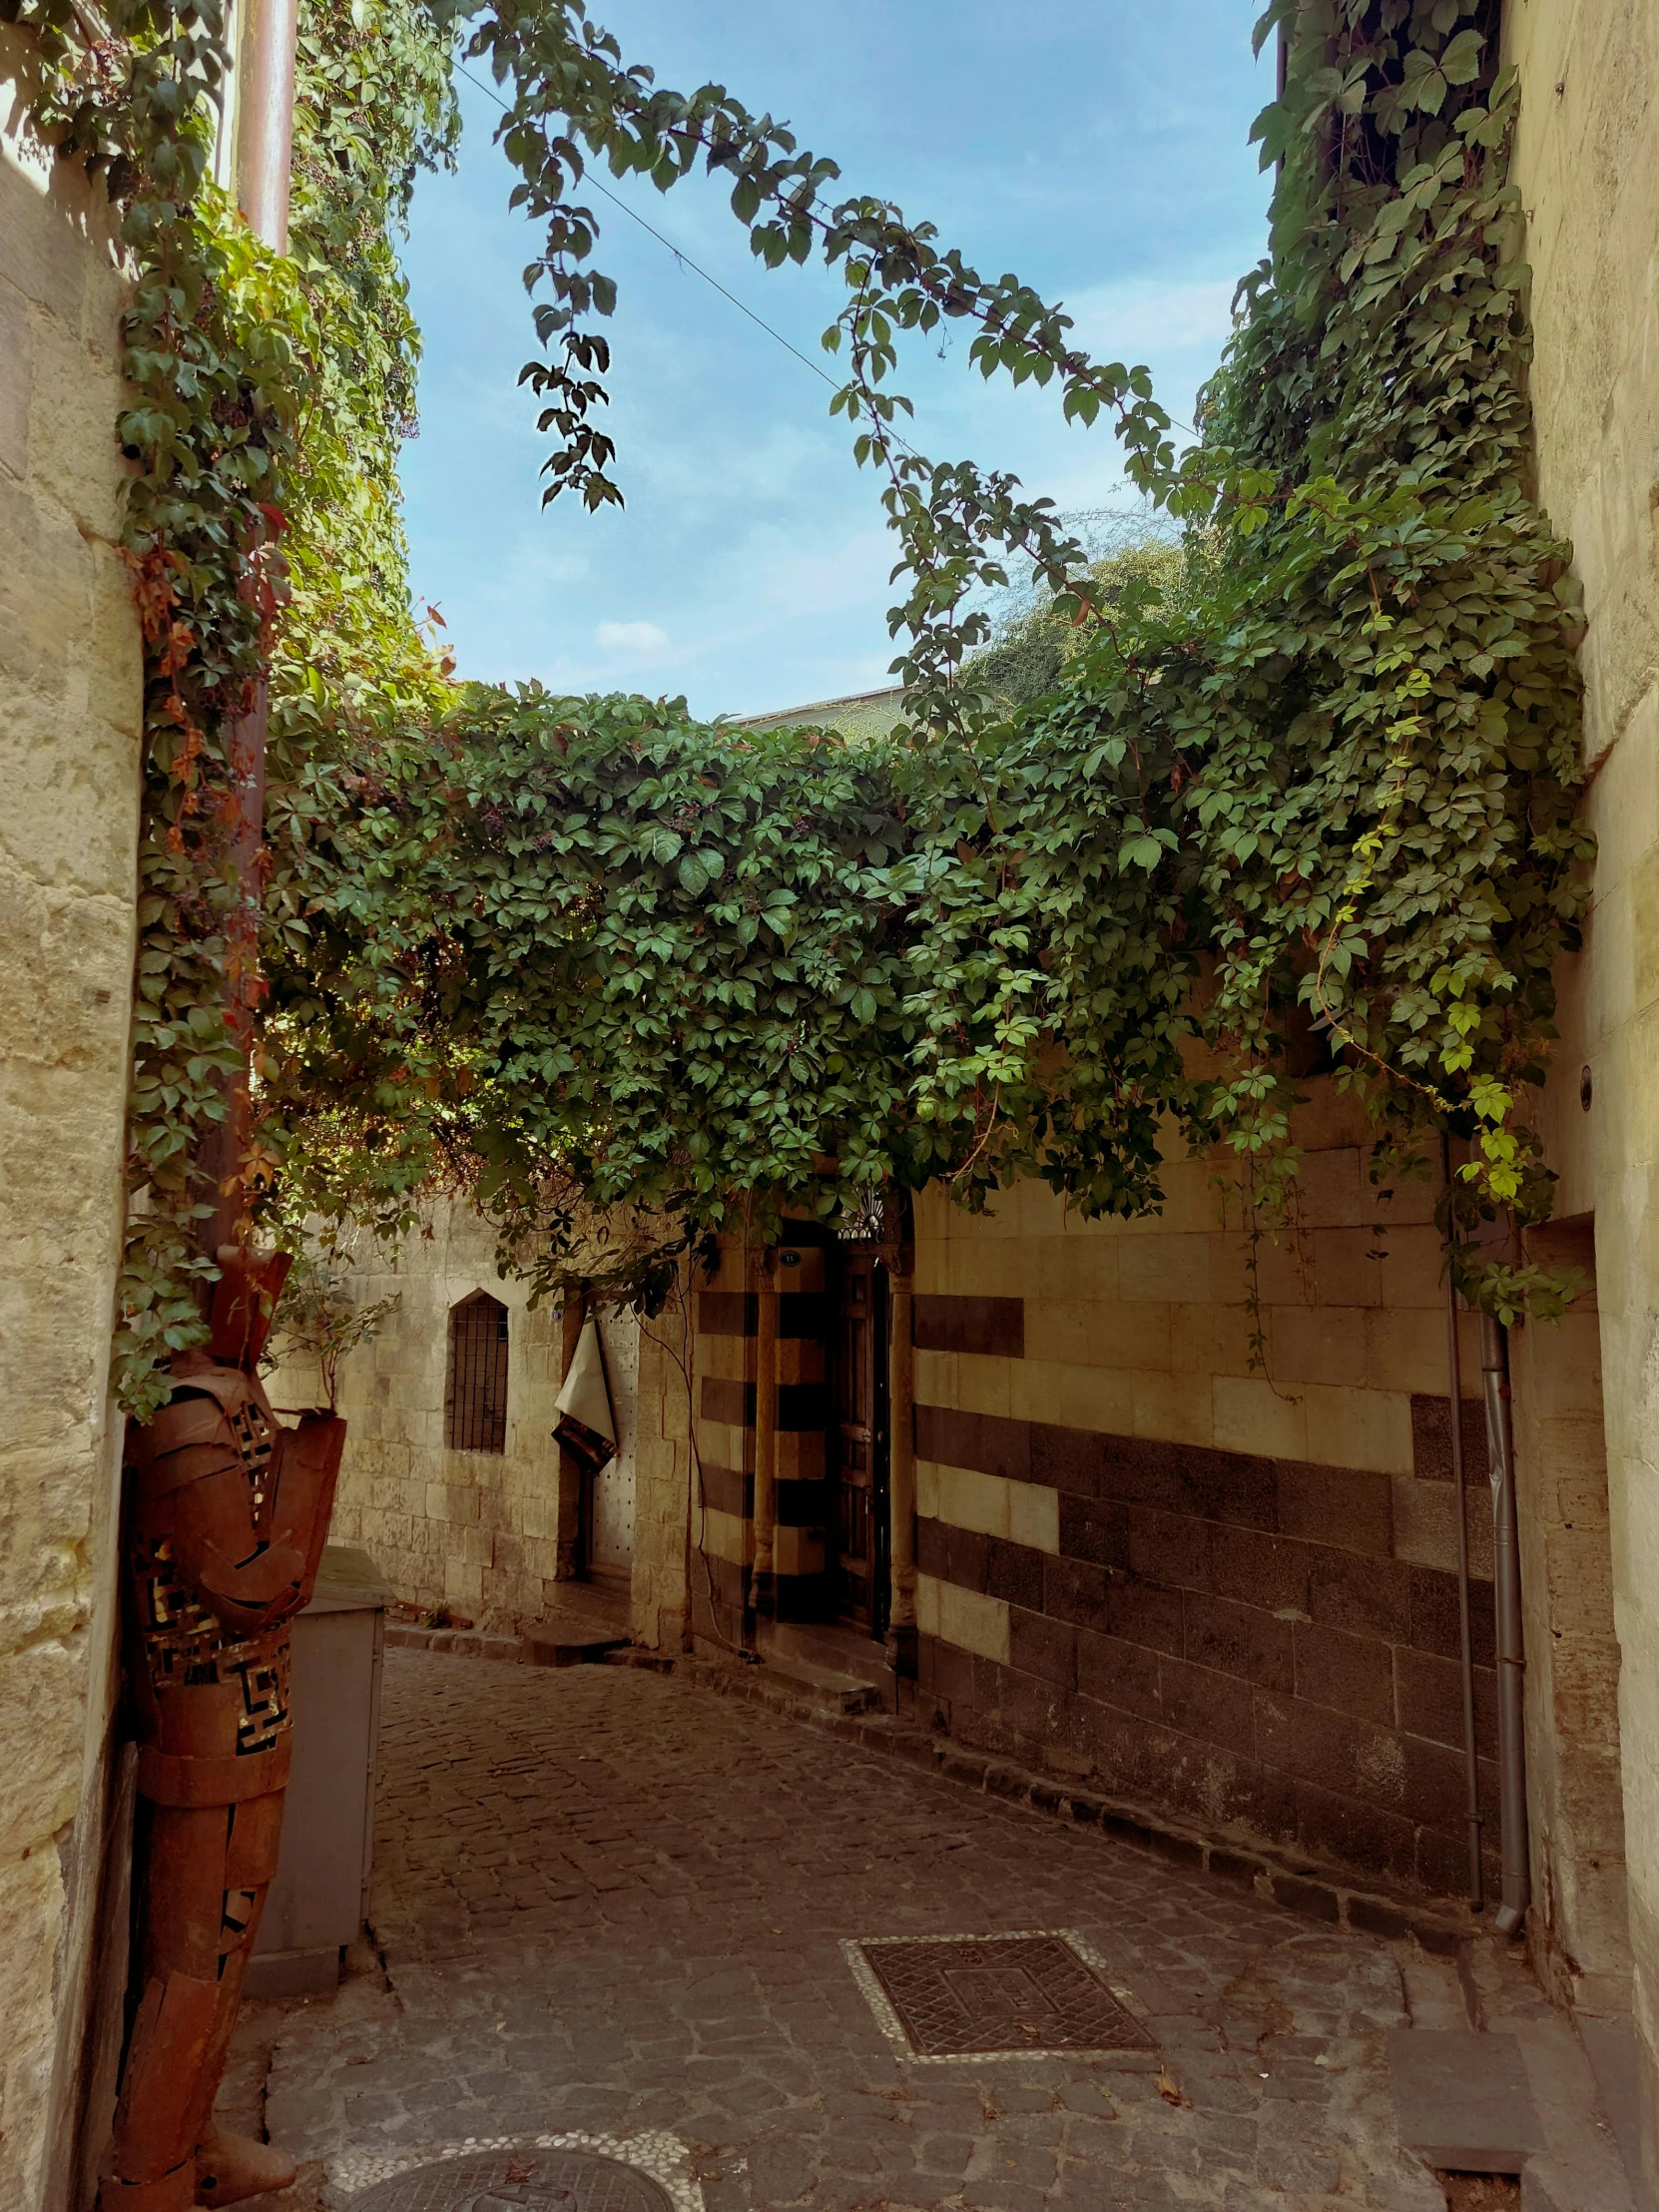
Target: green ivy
point(1300, 800)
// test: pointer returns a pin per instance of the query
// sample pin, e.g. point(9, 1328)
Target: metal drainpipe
point(265, 117)
point(1506, 1586)
point(264, 156)
point(1455, 1373)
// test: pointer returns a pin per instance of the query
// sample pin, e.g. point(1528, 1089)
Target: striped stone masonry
point(1232, 1636)
point(727, 1323)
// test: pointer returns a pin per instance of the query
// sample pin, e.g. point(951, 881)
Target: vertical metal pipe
point(1455, 1376)
point(1507, 1586)
point(264, 156)
point(265, 117)
point(901, 1470)
point(765, 1441)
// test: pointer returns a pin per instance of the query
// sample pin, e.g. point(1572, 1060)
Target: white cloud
point(637, 641)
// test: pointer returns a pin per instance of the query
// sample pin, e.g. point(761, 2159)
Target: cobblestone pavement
point(608, 1902)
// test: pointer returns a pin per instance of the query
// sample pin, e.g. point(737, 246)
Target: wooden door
point(859, 1438)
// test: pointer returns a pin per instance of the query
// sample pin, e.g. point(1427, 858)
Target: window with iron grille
point(475, 1404)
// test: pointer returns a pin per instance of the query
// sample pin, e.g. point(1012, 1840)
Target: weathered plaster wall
point(70, 700)
point(1589, 183)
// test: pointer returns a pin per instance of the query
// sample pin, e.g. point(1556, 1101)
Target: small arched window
point(475, 1404)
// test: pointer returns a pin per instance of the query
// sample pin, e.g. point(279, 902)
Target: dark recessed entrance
point(857, 1438)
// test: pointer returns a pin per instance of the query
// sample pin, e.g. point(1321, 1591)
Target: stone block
point(1170, 1548)
point(1200, 1701)
point(1013, 1572)
point(1141, 1614)
point(74, 460)
point(1162, 1269)
point(1176, 1406)
point(1240, 1640)
point(1354, 1832)
point(1115, 1672)
point(1368, 1596)
point(1352, 1674)
point(1235, 1487)
point(1044, 1648)
point(1415, 1275)
point(1214, 1338)
point(1348, 1507)
point(1077, 1591)
point(1347, 1269)
point(1092, 1332)
point(1259, 1569)
point(1316, 1343)
point(962, 1617)
point(1406, 1349)
point(1253, 1417)
point(1091, 1529)
point(1331, 1189)
point(1354, 1428)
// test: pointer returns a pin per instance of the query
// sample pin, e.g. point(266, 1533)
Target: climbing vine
point(1300, 802)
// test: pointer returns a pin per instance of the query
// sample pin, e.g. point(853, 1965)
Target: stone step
point(569, 1644)
point(829, 1644)
point(826, 1686)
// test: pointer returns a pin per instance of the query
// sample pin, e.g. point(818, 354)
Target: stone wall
point(1589, 184)
point(1231, 1594)
point(70, 700)
point(484, 1534)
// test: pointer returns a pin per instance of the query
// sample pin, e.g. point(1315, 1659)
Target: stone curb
point(1317, 1895)
point(467, 1643)
point(536, 1648)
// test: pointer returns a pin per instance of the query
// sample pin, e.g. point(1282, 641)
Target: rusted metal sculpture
point(228, 1510)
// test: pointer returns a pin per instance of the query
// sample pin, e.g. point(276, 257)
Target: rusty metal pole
point(264, 118)
point(264, 158)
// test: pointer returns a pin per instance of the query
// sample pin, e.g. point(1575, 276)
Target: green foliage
point(1032, 646)
point(318, 1320)
point(1298, 797)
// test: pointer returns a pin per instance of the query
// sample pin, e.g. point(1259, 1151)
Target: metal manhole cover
point(519, 2181)
point(955, 1997)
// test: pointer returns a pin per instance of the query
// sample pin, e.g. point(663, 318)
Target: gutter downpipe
point(264, 79)
point(1511, 1662)
point(1455, 1376)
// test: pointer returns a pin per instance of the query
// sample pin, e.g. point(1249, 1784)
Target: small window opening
point(475, 1406)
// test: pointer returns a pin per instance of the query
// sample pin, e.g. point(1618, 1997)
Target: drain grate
point(518, 2181)
point(996, 1995)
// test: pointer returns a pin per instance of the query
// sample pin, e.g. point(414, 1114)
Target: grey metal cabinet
point(318, 1901)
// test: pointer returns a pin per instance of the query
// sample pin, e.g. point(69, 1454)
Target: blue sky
point(1098, 150)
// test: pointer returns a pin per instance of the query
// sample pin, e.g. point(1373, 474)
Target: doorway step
point(586, 1623)
point(835, 1665)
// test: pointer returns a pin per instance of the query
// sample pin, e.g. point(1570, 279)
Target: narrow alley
point(614, 1913)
